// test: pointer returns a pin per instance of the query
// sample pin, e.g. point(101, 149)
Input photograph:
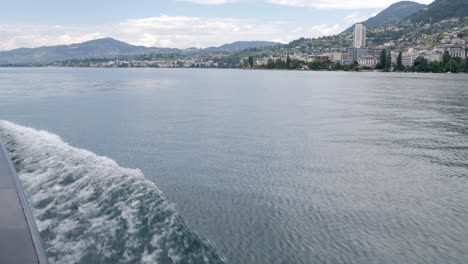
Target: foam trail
point(88, 209)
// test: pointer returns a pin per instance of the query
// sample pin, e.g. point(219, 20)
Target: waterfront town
point(432, 48)
point(390, 47)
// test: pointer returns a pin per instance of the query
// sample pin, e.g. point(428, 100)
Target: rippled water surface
point(264, 166)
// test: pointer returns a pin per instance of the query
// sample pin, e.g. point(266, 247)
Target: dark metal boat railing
point(8, 170)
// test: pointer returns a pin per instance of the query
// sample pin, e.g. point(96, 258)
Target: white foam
point(88, 208)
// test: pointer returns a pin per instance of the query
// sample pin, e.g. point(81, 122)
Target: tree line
point(421, 64)
point(296, 64)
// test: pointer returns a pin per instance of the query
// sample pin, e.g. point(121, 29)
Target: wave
point(88, 209)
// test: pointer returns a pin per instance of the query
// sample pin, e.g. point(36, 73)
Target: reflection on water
point(277, 167)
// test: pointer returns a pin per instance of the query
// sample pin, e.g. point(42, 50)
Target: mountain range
point(110, 48)
point(239, 46)
point(100, 48)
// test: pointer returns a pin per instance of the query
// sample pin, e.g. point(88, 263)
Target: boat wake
point(88, 209)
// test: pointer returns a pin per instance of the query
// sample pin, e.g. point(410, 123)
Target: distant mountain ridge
point(108, 48)
point(243, 45)
point(100, 48)
point(394, 13)
point(234, 47)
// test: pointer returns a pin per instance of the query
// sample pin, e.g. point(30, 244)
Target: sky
point(177, 23)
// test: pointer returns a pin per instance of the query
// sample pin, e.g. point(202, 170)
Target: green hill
point(442, 9)
point(108, 48)
point(100, 48)
point(393, 13)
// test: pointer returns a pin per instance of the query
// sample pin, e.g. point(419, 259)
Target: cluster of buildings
point(359, 52)
point(188, 62)
point(342, 51)
point(456, 47)
point(430, 54)
point(365, 56)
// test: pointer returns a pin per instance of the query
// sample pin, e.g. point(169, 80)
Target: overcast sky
point(177, 23)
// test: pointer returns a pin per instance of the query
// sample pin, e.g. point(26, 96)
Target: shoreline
point(214, 68)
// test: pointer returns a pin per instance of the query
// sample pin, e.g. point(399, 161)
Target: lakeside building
point(409, 57)
point(412, 54)
point(436, 54)
point(457, 52)
point(354, 54)
point(359, 49)
point(338, 57)
point(368, 61)
point(394, 55)
point(360, 32)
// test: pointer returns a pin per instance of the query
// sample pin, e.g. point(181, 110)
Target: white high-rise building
point(360, 36)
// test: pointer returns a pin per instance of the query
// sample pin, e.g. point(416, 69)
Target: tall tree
point(435, 67)
point(296, 64)
point(251, 62)
point(245, 63)
point(399, 64)
point(466, 56)
point(338, 67)
point(421, 65)
point(445, 60)
point(355, 66)
point(383, 59)
point(315, 65)
point(270, 64)
point(280, 64)
point(453, 65)
point(388, 66)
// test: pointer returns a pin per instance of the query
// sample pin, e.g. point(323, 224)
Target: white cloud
point(340, 4)
point(325, 30)
point(183, 32)
point(160, 31)
point(163, 31)
point(355, 17)
point(16, 36)
point(210, 2)
point(320, 4)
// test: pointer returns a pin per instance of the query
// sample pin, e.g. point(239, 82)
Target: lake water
point(262, 166)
